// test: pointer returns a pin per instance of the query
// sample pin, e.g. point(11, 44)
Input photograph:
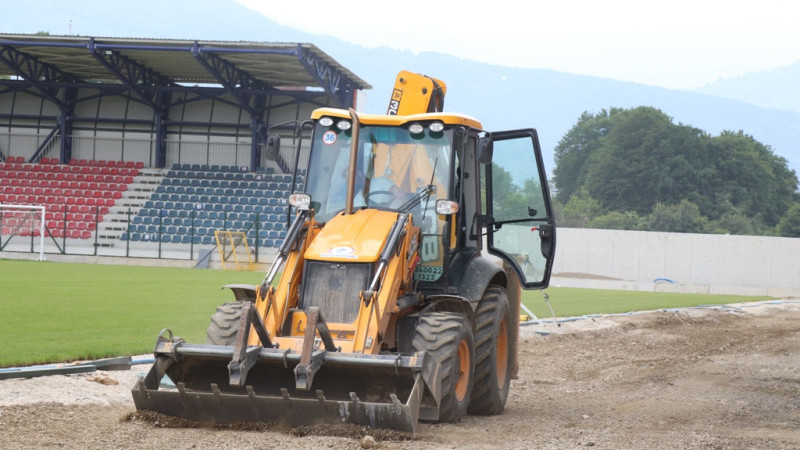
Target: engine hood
point(357, 237)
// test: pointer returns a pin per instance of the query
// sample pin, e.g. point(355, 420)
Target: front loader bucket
point(375, 390)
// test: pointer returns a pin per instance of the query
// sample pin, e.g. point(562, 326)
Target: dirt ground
point(712, 378)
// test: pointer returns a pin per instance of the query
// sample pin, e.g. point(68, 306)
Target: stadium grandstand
point(136, 141)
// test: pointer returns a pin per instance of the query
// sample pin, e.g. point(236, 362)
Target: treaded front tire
point(492, 353)
point(447, 337)
point(224, 324)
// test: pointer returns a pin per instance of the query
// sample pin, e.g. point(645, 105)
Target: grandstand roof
point(131, 61)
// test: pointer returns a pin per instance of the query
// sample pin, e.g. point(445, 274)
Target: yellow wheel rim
point(463, 370)
point(502, 354)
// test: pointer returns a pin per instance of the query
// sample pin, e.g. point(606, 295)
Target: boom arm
point(414, 93)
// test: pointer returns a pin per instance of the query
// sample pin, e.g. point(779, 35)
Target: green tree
point(750, 178)
point(632, 160)
point(683, 217)
point(616, 220)
point(789, 225)
point(580, 209)
point(573, 151)
point(644, 159)
point(733, 223)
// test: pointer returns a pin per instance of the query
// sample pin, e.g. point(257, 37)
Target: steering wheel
point(384, 204)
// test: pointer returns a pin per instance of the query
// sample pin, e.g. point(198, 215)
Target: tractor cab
point(465, 189)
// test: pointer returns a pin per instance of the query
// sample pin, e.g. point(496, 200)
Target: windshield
point(392, 168)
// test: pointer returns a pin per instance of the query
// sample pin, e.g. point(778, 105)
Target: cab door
point(519, 213)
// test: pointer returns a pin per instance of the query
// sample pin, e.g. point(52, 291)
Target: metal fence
point(89, 235)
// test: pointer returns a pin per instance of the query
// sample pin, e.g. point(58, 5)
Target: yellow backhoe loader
point(400, 276)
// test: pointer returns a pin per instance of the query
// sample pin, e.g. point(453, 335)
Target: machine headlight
point(326, 121)
point(416, 128)
point(300, 201)
point(436, 127)
point(446, 207)
point(344, 125)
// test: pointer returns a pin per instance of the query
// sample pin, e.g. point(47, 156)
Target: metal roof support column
point(163, 99)
point(65, 123)
point(259, 103)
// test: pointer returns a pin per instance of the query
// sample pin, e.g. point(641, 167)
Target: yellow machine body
point(381, 308)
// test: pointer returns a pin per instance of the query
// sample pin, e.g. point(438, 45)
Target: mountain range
point(765, 105)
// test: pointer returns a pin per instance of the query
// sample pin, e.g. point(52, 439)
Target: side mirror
point(485, 149)
point(273, 147)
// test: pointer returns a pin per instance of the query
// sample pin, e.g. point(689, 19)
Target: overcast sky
point(674, 43)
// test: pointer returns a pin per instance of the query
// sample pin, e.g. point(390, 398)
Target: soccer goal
point(22, 220)
point(233, 249)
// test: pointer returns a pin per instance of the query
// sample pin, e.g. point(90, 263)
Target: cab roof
point(379, 119)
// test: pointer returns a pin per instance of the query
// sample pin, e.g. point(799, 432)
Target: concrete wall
point(680, 262)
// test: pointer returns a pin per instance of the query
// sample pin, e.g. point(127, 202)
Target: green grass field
point(65, 311)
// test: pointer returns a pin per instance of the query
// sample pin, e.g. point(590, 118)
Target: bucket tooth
point(398, 408)
point(321, 396)
point(182, 390)
point(140, 386)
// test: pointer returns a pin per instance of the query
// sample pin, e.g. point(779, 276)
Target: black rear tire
point(224, 324)
point(492, 353)
point(448, 338)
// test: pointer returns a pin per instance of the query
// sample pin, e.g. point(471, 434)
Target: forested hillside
point(637, 169)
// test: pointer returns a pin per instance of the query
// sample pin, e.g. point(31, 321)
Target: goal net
point(22, 220)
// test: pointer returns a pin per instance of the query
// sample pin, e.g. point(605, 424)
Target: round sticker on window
point(329, 137)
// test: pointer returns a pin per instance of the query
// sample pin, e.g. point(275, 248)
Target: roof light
point(416, 128)
point(344, 125)
point(436, 127)
point(326, 121)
